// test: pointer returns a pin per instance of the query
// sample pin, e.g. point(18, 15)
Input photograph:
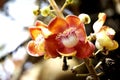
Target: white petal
point(71, 41)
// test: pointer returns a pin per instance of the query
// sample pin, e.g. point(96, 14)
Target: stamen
point(70, 41)
point(68, 37)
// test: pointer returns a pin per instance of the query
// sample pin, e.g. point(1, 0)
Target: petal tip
point(31, 49)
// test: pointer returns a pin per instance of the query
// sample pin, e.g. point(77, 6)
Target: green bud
point(36, 12)
point(45, 11)
point(85, 18)
point(69, 1)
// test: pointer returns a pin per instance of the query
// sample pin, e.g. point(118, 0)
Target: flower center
point(69, 38)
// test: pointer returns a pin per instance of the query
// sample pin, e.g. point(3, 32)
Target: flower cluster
point(66, 36)
point(62, 36)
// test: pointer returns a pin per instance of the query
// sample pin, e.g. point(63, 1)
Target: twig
point(101, 73)
point(98, 64)
point(76, 68)
point(63, 7)
point(82, 75)
point(97, 52)
point(56, 9)
point(91, 69)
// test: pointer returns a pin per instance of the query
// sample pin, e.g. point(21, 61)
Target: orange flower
point(66, 37)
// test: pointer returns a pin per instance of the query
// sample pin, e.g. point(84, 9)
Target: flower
point(62, 36)
point(104, 35)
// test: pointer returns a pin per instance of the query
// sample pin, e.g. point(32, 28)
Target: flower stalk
point(98, 64)
point(56, 9)
point(67, 2)
point(82, 75)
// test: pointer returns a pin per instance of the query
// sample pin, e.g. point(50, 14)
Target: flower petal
point(40, 24)
point(67, 51)
point(109, 31)
point(35, 49)
point(98, 46)
point(85, 50)
point(35, 32)
point(104, 40)
point(74, 21)
point(51, 46)
point(57, 25)
point(115, 45)
point(99, 23)
point(43, 27)
point(81, 33)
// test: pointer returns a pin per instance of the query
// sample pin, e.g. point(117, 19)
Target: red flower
point(65, 37)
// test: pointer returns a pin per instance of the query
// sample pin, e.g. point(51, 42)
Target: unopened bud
point(85, 18)
point(36, 12)
point(45, 11)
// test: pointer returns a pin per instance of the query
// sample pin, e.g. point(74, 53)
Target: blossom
point(104, 35)
point(62, 36)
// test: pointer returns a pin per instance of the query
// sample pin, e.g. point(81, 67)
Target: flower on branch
point(104, 35)
point(62, 36)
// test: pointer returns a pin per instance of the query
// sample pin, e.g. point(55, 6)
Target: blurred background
point(16, 16)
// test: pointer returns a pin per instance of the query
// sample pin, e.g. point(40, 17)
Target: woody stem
point(91, 69)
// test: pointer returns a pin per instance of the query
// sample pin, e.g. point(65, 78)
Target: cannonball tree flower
point(104, 39)
point(65, 36)
point(36, 47)
point(104, 35)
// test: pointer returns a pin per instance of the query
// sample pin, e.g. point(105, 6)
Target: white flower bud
point(85, 18)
